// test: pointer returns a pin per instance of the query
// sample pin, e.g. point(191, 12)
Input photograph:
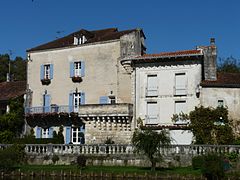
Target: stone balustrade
point(121, 149)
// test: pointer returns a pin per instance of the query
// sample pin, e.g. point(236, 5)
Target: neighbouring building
point(78, 82)
point(9, 91)
point(171, 83)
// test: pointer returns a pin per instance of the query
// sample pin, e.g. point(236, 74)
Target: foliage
point(11, 156)
point(58, 138)
point(6, 137)
point(81, 161)
point(197, 162)
point(204, 125)
point(233, 156)
point(148, 142)
point(213, 167)
point(11, 124)
point(55, 158)
point(180, 117)
point(229, 65)
point(18, 68)
point(109, 141)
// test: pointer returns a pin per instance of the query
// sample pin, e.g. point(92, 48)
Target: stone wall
point(121, 155)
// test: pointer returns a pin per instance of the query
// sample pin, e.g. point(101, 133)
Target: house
point(10, 90)
point(78, 82)
point(175, 82)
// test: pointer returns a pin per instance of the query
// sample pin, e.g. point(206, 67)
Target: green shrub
point(109, 141)
point(55, 158)
point(233, 156)
point(81, 161)
point(6, 137)
point(213, 166)
point(197, 162)
point(11, 156)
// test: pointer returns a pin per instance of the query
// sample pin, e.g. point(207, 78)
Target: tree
point(211, 125)
point(149, 142)
point(17, 68)
point(229, 65)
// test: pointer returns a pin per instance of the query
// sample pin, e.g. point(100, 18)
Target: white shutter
point(152, 87)
point(180, 107)
point(152, 113)
point(180, 84)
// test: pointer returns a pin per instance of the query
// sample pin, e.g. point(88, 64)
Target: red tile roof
point(171, 54)
point(9, 90)
point(224, 80)
point(92, 36)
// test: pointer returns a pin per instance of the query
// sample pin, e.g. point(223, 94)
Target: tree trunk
point(153, 165)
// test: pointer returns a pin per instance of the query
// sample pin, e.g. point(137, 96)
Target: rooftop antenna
point(59, 34)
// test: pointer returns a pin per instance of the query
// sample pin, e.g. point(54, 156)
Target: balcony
point(123, 109)
point(66, 115)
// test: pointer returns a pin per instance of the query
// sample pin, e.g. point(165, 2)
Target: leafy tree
point(148, 142)
point(211, 125)
point(229, 65)
point(17, 68)
point(11, 124)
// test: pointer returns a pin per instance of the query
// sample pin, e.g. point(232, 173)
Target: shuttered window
point(77, 69)
point(152, 85)
point(152, 113)
point(180, 107)
point(180, 84)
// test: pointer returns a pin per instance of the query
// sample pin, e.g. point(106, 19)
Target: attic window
point(79, 40)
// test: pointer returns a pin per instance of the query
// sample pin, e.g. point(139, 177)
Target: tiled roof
point(171, 54)
point(13, 89)
point(224, 80)
point(92, 37)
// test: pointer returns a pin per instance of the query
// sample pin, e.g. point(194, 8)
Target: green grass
point(109, 169)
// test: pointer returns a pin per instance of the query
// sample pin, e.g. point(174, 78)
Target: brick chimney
point(210, 61)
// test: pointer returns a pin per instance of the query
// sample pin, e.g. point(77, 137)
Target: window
point(77, 69)
point(46, 72)
point(180, 107)
point(112, 99)
point(180, 84)
point(152, 113)
point(45, 133)
point(220, 103)
point(76, 101)
point(152, 88)
point(79, 40)
point(78, 135)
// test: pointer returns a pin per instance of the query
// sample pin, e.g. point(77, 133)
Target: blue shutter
point(68, 135)
point(82, 98)
point(82, 68)
point(42, 72)
point(38, 132)
point(71, 69)
point(47, 103)
point(103, 100)
point(50, 132)
point(51, 71)
point(70, 102)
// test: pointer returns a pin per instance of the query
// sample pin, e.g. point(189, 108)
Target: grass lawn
point(109, 169)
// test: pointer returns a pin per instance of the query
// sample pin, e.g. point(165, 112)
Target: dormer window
point(79, 40)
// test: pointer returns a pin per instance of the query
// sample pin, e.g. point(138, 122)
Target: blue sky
point(169, 25)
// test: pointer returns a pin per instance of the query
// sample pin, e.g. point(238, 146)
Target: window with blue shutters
point(46, 73)
point(50, 132)
point(77, 69)
point(70, 102)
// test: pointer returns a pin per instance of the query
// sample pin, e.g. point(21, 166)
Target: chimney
point(210, 61)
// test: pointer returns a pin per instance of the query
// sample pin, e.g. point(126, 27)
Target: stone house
point(78, 82)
